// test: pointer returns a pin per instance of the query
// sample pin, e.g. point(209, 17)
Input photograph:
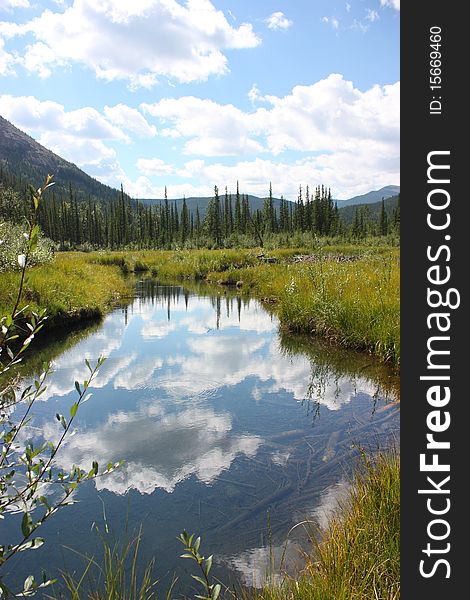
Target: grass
point(71, 289)
point(356, 304)
point(359, 556)
point(114, 576)
point(348, 294)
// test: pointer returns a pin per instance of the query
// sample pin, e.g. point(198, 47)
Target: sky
point(196, 93)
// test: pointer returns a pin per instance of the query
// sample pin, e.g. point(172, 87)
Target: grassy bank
point(71, 288)
point(359, 557)
point(349, 294)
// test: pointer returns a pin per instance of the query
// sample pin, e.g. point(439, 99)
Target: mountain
point(371, 197)
point(347, 212)
point(24, 161)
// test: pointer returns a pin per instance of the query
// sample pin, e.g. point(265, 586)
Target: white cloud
point(8, 5)
point(6, 60)
point(154, 167)
point(214, 129)
point(161, 448)
point(134, 41)
point(354, 136)
point(31, 114)
point(278, 20)
point(255, 95)
point(332, 21)
point(348, 7)
point(392, 3)
point(372, 15)
point(78, 136)
point(131, 119)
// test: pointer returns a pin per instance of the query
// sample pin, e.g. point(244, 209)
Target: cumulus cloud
point(214, 129)
point(352, 138)
point(31, 114)
point(131, 119)
point(278, 20)
point(8, 5)
point(6, 60)
point(134, 41)
point(154, 166)
point(80, 136)
point(392, 3)
point(328, 115)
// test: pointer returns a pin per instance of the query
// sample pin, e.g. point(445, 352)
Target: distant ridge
point(371, 197)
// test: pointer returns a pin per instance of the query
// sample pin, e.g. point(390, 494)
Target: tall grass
point(71, 288)
point(359, 556)
point(114, 576)
point(356, 303)
point(347, 293)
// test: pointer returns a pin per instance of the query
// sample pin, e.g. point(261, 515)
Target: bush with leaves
point(14, 243)
point(28, 473)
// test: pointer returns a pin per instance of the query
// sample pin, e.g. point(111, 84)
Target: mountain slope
point(24, 161)
point(371, 197)
point(347, 212)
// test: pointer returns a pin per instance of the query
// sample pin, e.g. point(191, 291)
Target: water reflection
point(220, 419)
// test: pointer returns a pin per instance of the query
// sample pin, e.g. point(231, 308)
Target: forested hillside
point(79, 212)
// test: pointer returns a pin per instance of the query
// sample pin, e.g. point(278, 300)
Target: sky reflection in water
point(212, 412)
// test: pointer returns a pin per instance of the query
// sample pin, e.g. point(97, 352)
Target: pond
point(228, 428)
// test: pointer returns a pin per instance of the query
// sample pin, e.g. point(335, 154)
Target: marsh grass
point(71, 288)
point(115, 576)
point(358, 557)
point(348, 294)
point(356, 304)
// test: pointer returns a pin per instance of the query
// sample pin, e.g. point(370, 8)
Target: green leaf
point(26, 524)
point(95, 467)
point(31, 545)
point(200, 579)
point(29, 583)
point(77, 387)
point(73, 409)
point(208, 564)
point(197, 543)
point(186, 556)
point(216, 591)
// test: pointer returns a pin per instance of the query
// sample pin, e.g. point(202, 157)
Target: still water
point(228, 428)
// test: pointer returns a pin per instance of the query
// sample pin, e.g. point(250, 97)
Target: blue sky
point(192, 94)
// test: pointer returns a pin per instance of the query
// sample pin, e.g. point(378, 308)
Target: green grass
point(112, 577)
point(356, 304)
point(348, 294)
point(71, 289)
point(359, 556)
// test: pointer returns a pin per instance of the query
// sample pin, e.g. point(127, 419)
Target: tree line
point(228, 219)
